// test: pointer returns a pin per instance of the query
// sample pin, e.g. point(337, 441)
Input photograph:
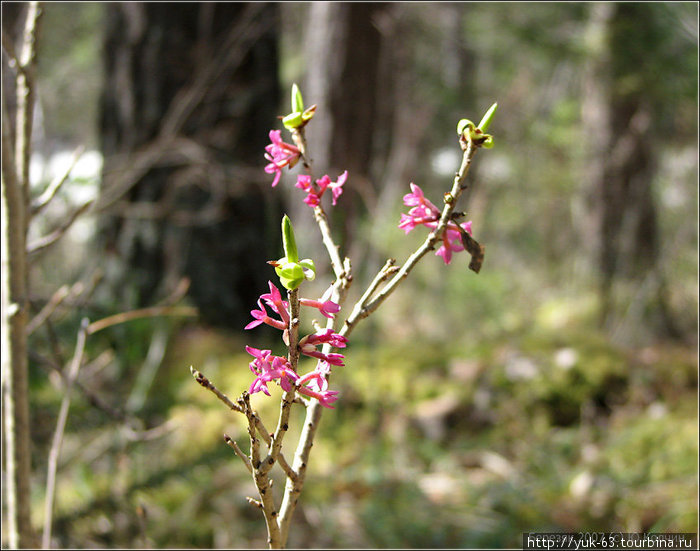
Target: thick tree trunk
point(191, 93)
point(618, 120)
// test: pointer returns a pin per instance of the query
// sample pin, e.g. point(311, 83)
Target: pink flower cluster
point(280, 154)
point(427, 214)
point(315, 192)
point(268, 367)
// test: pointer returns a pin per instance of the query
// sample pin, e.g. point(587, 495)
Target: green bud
point(308, 114)
point(291, 274)
point(309, 268)
point(488, 142)
point(293, 120)
point(463, 124)
point(288, 241)
point(487, 118)
point(297, 101)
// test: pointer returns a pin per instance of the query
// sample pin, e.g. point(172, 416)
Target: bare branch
point(57, 441)
point(48, 308)
point(360, 310)
point(240, 454)
point(48, 240)
point(50, 192)
point(206, 383)
point(262, 482)
point(153, 311)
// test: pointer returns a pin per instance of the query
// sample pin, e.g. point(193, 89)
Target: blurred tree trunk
point(190, 94)
point(18, 108)
point(342, 51)
point(619, 114)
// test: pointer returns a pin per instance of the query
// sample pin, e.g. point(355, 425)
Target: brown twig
point(42, 243)
point(260, 426)
point(239, 453)
point(206, 383)
point(45, 198)
point(262, 481)
point(153, 311)
point(362, 310)
point(57, 441)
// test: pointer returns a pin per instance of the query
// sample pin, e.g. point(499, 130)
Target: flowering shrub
point(311, 389)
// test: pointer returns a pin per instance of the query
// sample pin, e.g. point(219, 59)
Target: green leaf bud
point(487, 118)
point(463, 124)
point(288, 241)
point(297, 101)
point(293, 120)
point(291, 274)
point(309, 268)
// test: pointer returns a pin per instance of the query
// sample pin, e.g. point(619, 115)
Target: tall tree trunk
point(618, 115)
point(191, 92)
point(16, 150)
point(343, 59)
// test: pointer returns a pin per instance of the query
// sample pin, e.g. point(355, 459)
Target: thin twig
point(43, 242)
point(259, 425)
point(45, 198)
point(239, 453)
point(361, 310)
point(320, 215)
point(206, 383)
point(48, 308)
point(153, 311)
point(61, 294)
point(262, 482)
point(364, 306)
point(57, 441)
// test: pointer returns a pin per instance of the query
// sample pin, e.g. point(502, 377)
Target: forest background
point(555, 390)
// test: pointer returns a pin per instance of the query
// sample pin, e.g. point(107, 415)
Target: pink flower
point(427, 214)
point(325, 397)
point(280, 154)
point(315, 191)
point(325, 306)
point(323, 337)
point(332, 358)
point(315, 385)
point(308, 344)
point(337, 186)
point(417, 198)
point(268, 368)
point(452, 241)
point(274, 301)
point(262, 317)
